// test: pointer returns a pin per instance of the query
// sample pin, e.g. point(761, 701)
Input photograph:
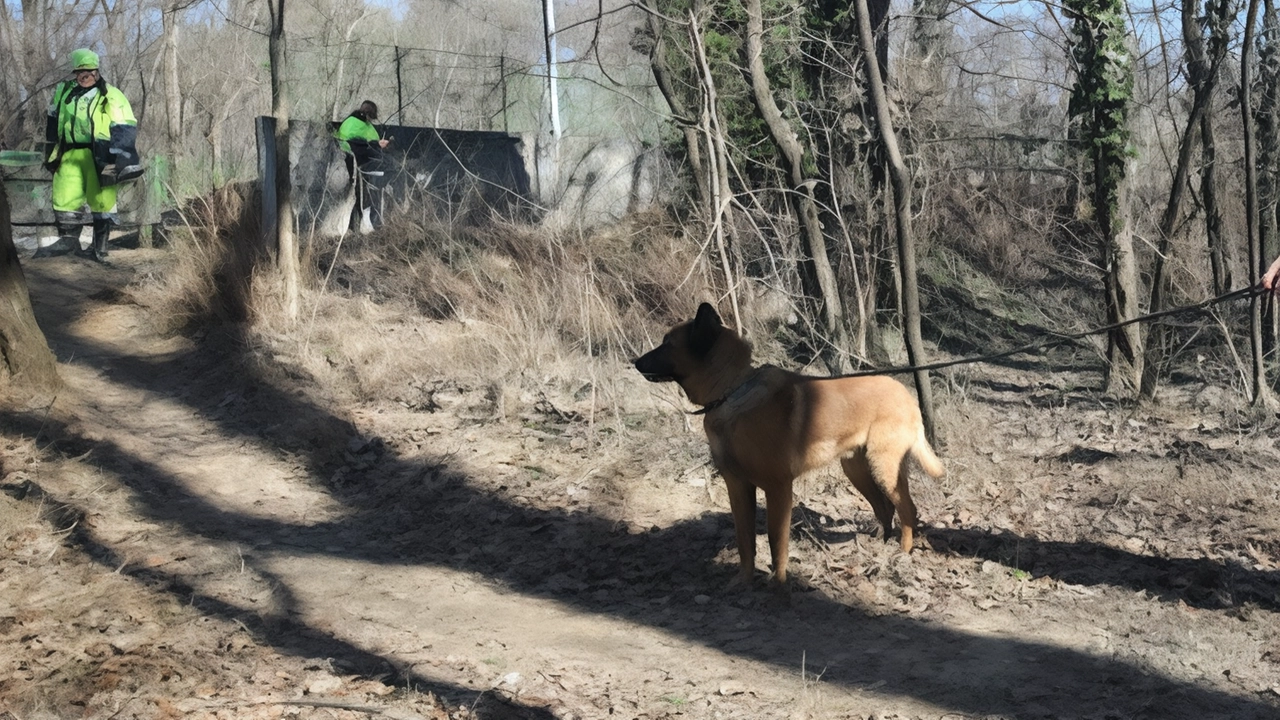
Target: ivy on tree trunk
point(1100, 105)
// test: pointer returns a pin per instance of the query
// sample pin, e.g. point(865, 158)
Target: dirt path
point(249, 543)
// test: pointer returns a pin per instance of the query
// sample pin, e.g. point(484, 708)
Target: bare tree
point(835, 346)
point(1202, 70)
point(1267, 128)
point(172, 97)
point(1101, 99)
point(680, 113)
point(929, 44)
point(286, 240)
point(27, 367)
point(717, 181)
point(172, 85)
point(360, 13)
point(1267, 132)
point(1262, 395)
point(901, 181)
point(32, 48)
point(1219, 14)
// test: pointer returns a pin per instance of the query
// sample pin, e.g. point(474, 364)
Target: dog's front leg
point(742, 501)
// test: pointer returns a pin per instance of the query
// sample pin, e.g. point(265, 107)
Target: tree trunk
point(1261, 392)
point(173, 109)
point(172, 86)
point(886, 275)
point(718, 176)
point(1101, 98)
point(214, 138)
point(34, 44)
point(217, 148)
point(28, 370)
point(900, 179)
point(286, 240)
point(342, 67)
point(679, 111)
point(1124, 353)
point(879, 16)
point(1220, 14)
point(1218, 264)
point(11, 84)
point(929, 44)
point(1267, 119)
point(834, 348)
point(1201, 74)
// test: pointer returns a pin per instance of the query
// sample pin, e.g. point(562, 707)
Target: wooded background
point(470, 66)
point(1037, 146)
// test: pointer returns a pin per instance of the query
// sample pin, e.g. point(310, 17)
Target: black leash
point(1064, 339)
point(1059, 340)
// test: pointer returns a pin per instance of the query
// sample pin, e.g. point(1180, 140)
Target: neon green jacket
point(99, 119)
point(355, 127)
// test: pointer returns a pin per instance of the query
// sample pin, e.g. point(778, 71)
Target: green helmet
point(84, 59)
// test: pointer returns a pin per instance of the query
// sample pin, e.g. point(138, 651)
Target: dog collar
point(746, 385)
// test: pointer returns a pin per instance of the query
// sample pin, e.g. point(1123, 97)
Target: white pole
point(549, 18)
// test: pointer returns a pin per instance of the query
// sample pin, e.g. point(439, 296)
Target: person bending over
point(363, 147)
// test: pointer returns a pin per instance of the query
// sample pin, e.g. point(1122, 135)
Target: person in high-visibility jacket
point(363, 147)
point(90, 137)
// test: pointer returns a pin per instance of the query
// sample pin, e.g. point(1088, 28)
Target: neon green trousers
point(76, 184)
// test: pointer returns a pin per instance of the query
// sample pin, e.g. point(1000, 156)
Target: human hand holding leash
point(1271, 276)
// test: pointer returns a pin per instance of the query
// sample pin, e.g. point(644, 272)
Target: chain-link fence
point(610, 112)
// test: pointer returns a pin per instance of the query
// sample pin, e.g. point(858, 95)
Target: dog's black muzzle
point(654, 366)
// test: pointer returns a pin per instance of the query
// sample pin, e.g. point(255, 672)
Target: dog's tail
point(923, 453)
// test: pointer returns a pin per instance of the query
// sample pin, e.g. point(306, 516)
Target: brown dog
point(767, 426)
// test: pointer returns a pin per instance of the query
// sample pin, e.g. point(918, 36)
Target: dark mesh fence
point(461, 174)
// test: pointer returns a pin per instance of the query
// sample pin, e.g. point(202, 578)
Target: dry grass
point(1005, 229)
point(528, 313)
point(518, 299)
point(532, 315)
point(210, 280)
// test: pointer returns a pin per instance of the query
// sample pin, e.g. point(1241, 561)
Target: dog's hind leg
point(858, 471)
point(901, 498)
point(890, 472)
point(742, 502)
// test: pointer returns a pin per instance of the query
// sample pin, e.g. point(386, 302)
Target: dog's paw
point(779, 595)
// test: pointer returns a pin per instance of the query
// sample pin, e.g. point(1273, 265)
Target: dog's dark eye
point(701, 342)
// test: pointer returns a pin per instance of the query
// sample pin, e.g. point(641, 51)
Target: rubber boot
point(375, 207)
point(356, 221)
point(372, 196)
point(68, 241)
point(97, 252)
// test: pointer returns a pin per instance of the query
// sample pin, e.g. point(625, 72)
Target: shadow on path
point(438, 518)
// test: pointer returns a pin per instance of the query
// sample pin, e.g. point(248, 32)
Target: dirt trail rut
point(500, 566)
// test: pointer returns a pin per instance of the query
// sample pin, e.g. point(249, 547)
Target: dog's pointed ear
point(707, 318)
point(705, 329)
